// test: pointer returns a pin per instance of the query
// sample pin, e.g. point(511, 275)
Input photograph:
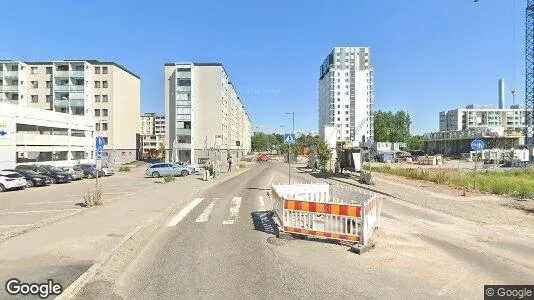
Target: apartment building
point(346, 94)
point(104, 91)
point(33, 135)
point(483, 116)
point(152, 134)
point(204, 115)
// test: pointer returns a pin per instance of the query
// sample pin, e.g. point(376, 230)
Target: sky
point(428, 56)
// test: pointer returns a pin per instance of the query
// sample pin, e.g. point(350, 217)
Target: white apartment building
point(152, 133)
point(33, 135)
point(482, 116)
point(203, 113)
point(104, 91)
point(346, 94)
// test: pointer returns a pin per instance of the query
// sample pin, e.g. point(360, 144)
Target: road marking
point(20, 225)
point(186, 210)
point(262, 203)
point(66, 201)
point(234, 211)
point(205, 215)
point(270, 181)
point(36, 211)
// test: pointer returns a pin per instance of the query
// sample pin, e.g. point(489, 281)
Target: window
point(338, 119)
point(347, 119)
point(97, 127)
point(48, 70)
point(338, 106)
point(105, 140)
point(338, 80)
point(338, 112)
point(97, 84)
point(105, 84)
point(104, 70)
point(338, 99)
point(97, 112)
point(34, 98)
point(48, 98)
point(21, 82)
point(34, 70)
point(346, 93)
point(346, 112)
point(104, 126)
point(97, 70)
point(347, 125)
point(338, 86)
point(347, 106)
point(346, 131)
point(184, 82)
point(97, 98)
point(104, 98)
point(104, 112)
point(34, 84)
point(338, 93)
point(49, 84)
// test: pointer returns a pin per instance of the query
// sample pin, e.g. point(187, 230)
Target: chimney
point(501, 93)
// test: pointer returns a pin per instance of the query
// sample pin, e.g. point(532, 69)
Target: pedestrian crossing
point(205, 208)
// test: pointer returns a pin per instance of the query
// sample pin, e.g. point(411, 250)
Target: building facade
point(204, 116)
point(482, 116)
point(152, 132)
point(33, 135)
point(104, 91)
point(346, 94)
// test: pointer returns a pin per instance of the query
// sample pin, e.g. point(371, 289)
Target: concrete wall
point(208, 110)
point(126, 103)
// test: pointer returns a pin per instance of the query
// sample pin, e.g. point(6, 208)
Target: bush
point(241, 166)
point(168, 178)
point(125, 169)
point(93, 198)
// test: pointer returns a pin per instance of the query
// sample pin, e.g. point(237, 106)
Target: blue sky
point(428, 55)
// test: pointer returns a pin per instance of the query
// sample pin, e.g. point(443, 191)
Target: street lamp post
point(288, 152)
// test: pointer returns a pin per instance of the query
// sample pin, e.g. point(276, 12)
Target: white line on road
point(262, 203)
point(37, 211)
point(46, 202)
point(270, 181)
point(234, 211)
point(186, 210)
point(20, 225)
point(205, 215)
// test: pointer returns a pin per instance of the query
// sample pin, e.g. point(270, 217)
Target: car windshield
point(54, 169)
point(30, 172)
point(77, 169)
point(13, 175)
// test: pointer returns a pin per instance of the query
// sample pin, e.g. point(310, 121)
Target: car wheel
point(185, 173)
point(30, 183)
point(2, 188)
point(155, 174)
point(53, 180)
point(90, 176)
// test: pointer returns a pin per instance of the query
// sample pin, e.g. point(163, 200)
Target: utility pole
point(288, 152)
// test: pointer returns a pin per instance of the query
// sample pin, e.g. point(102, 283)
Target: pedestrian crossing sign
point(289, 139)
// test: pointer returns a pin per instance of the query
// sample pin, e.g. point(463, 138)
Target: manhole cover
point(276, 241)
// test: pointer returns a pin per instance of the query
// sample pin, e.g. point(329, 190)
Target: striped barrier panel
point(311, 210)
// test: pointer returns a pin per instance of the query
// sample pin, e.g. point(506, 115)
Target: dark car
point(89, 170)
point(32, 177)
point(55, 174)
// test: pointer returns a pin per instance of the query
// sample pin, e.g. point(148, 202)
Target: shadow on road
point(259, 189)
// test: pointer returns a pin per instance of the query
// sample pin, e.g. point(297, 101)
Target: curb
point(75, 287)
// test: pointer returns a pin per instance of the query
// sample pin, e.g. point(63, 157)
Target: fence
point(326, 211)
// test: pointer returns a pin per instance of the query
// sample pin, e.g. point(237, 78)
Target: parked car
point(90, 171)
point(263, 157)
point(11, 181)
point(194, 168)
point(55, 174)
point(32, 177)
point(107, 171)
point(76, 172)
point(164, 169)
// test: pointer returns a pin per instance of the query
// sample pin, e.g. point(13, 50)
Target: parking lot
point(32, 207)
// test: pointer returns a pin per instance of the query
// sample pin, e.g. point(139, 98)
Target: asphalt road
point(223, 246)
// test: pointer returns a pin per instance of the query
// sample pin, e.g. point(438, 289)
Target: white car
point(11, 180)
point(192, 167)
point(107, 171)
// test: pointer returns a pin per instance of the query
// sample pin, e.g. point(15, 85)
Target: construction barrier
point(326, 211)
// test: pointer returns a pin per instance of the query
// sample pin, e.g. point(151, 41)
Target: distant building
point(482, 116)
point(152, 132)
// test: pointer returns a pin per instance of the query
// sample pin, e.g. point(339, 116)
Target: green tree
point(324, 154)
point(259, 142)
point(391, 127)
point(414, 143)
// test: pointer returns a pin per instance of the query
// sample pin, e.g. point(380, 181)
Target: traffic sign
point(99, 144)
point(289, 139)
point(99, 155)
point(477, 145)
point(2, 133)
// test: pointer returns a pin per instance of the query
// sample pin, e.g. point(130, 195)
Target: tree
point(259, 142)
point(324, 154)
point(414, 143)
point(391, 127)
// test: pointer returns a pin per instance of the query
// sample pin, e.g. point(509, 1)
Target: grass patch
point(241, 166)
point(519, 183)
point(93, 198)
point(125, 169)
point(168, 178)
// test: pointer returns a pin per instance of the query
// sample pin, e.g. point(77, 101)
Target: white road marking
point(20, 225)
point(270, 181)
point(234, 211)
point(46, 202)
point(186, 210)
point(36, 211)
point(205, 215)
point(262, 203)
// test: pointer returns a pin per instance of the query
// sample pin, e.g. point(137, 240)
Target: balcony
point(61, 88)
point(31, 138)
point(183, 88)
point(11, 88)
point(76, 96)
point(186, 75)
point(183, 146)
point(11, 74)
point(77, 88)
point(77, 74)
point(182, 131)
point(76, 102)
point(9, 101)
point(61, 103)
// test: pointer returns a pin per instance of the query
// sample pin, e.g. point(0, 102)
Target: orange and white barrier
point(322, 210)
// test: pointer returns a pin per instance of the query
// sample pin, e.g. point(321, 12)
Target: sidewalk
point(67, 248)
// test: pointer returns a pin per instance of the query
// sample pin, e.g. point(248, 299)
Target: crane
point(529, 76)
